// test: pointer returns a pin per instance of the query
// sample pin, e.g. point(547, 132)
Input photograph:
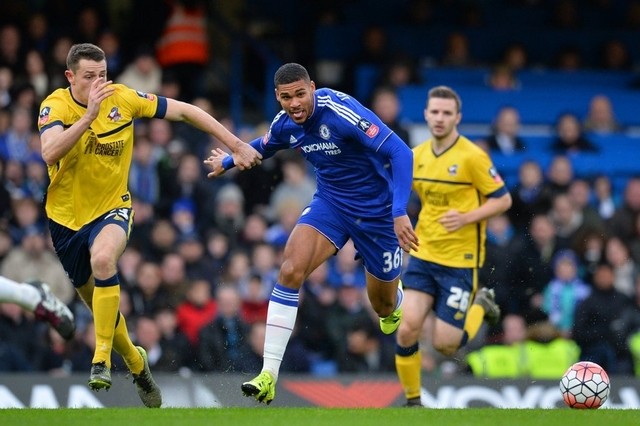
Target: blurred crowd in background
point(204, 254)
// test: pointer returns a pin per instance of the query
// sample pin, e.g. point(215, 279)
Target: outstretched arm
point(244, 155)
point(220, 161)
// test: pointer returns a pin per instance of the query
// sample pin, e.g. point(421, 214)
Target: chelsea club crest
point(324, 132)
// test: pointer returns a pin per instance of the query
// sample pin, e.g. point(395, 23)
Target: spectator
point(604, 200)
point(20, 339)
point(564, 292)
point(15, 143)
point(350, 308)
point(296, 184)
point(174, 344)
point(32, 261)
point(229, 214)
point(569, 59)
point(37, 74)
point(11, 49)
point(580, 195)
point(143, 72)
point(505, 130)
point(624, 268)
point(601, 117)
point(560, 174)
point(531, 195)
point(217, 251)
point(174, 278)
point(622, 223)
point(570, 223)
point(57, 63)
point(223, 343)
point(6, 83)
point(109, 42)
point(457, 52)
point(191, 249)
point(502, 78)
point(534, 267)
point(183, 49)
point(144, 182)
point(614, 56)
point(386, 104)
point(147, 296)
point(399, 72)
point(570, 138)
point(365, 352)
point(198, 309)
point(504, 360)
point(503, 245)
point(595, 328)
point(318, 298)
point(149, 336)
point(516, 57)
point(254, 301)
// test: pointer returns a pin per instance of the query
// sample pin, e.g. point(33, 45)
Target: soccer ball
point(585, 385)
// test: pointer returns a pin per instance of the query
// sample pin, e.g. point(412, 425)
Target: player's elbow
point(48, 157)
point(507, 201)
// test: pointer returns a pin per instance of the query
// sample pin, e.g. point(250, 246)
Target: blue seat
point(536, 106)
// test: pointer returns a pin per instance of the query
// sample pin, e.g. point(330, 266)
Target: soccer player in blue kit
point(364, 177)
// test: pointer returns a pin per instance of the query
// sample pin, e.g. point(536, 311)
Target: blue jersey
point(343, 140)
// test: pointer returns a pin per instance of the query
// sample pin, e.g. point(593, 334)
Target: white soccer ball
point(585, 385)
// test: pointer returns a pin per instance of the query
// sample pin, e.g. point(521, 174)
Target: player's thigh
point(377, 245)
point(109, 236)
point(72, 248)
point(456, 288)
point(446, 335)
point(305, 250)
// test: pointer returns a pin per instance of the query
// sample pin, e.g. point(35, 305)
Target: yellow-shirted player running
point(459, 189)
point(86, 132)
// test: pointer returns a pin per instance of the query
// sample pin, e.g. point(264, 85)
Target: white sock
point(399, 298)
point(281, 318)
point(25, 295)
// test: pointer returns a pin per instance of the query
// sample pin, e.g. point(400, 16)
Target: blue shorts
point(374, 238)
point(72, 247)
point(452, 289)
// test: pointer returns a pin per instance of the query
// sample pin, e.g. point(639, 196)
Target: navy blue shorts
point(72, 247)
point(453, 289)
point(374, 239)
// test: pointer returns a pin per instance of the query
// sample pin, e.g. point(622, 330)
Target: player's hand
point(245, 156)
point(452, 220)
point(100, 90)
point(407, 237)
point(215, 162)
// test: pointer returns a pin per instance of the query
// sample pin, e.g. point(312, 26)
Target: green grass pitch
point(277, 416)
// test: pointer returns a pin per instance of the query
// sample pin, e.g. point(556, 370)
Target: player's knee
point(446, 348)
point(406, 335)
point(102, 265)
point(383, 308)
point(290, 275)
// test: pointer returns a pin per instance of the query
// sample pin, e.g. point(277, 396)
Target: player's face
point(296, 99)
point(442, 116)
point(81, 79)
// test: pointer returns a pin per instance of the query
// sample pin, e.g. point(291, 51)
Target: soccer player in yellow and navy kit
point(459, 189)
point(86, 132)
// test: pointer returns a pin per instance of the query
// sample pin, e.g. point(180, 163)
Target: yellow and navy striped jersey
point(460, 178)
point(92, 178)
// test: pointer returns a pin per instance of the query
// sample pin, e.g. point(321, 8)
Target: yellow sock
point(106, 301)
point(409, 369)
point(474, 319)
point(124, 346)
